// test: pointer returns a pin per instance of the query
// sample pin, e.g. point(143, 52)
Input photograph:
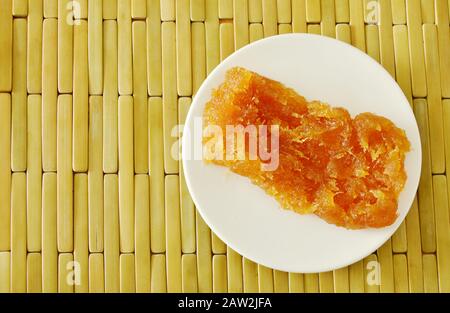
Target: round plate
point(243, 215)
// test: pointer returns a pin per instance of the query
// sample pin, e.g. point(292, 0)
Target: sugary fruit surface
point(348, 171)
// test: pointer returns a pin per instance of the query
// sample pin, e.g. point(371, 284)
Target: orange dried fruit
point(348, 171)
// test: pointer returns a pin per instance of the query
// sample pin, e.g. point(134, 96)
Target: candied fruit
point(348, 171)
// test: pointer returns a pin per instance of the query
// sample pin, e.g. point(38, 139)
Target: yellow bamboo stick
point(398, 12)
point(371, 11)
point(414, 23)
point(64, 174)
point(414, 255)
point(19, 132)
point(255, 11)
point(371, 271)
point(159, 281)
point(240, 13)
point(357, 278)
point(342, 11)
point(198, 56)
point(402, 64)
point(49, 93)
point(442, 20)
point(34, 173)
point(357, 24)
point(296, 283)
point(154, 65)
point(280, 281)
point(442, 231)
point(189, 276)
point(65, 46)
point(173, 234)
point(313, 11)
point(167, 10)
point(204, 260)
point(20, 8)
point(110, 9)
point(341, 280)
point(373, 42)
point(284, 29)
point(34, 46)
point(427, 11)
point(250, 276)
point(112, 248)
point(225, 9)
point(5, 172)
point(81, 247)
point(6, 36)
point(183, 47)
point(401, 273)
point(311, 283)
point(212, 35)
point(343, 33)
point(156, 162)
point(425, 191)
point(284, 11)
point(446, 117)
point(95, 38)
point(430, 274)
point(124, 53)
point(226, 48)
point(298, 16)
point(96, 273)
point(226, 40)
point(218, 246)
point(49, 239)
point(186, 203)
point(95, 174)
point(110, 98)
point(127, 274)
point(170, 112)
point(139, 9)
point(386, 37)
point(80, 98)
point(5, 272)
point(34, 273)
point(50, 8)
point(234, 266)
point(67, 273)
point(399, 239)
point(197, 10)
point(126, 174)
point(269, 17)
point(314, 29)
point(83, 9)
point(142, 229)
point(140, 98)
point(256, 32)
point(328, 22)
point(265, 279)
point(387, 268)
point(19, 97)
point(326, 284)
point(220, 274)
point(18, 233)
point(434, 98)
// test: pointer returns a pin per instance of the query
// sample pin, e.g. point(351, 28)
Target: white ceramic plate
point(251, 222)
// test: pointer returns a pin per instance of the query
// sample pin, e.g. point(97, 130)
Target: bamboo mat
point(90, 90)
